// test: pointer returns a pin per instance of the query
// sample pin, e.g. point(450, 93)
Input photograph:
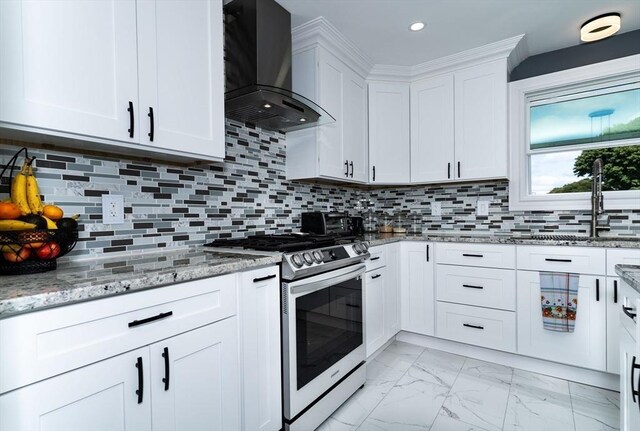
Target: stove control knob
point(296, 259)
point(365, 246)
point(307, 258)
point(317, 256)
point(357, 249)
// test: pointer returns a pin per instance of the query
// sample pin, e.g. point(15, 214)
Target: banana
point(19, 191)
point(33, 193)
point(10, 248)
point(16, 225)
point(50, 223)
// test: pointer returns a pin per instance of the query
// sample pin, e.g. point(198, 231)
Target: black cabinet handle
point(427, 252)
point(150, 114)
point(626, 310)
point(130, 109)
point(165, 380)
point(150, 319)
point(346, 166)
point(549, 259)
point(472, 255)
point(267, 277)
point(375, 258)
point(597, 289)
point(374, 173)
point(140, 390)
point(473, 326)
point(449, 170)
point(634, 393)
point(458, 169)
point(351, 164)
point(471, 286)
point(376, 276)
point(352, 305)
point(615, 291)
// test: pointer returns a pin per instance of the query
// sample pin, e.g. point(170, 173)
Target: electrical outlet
point(436, 208)
point(483, 208)
point(112, 209)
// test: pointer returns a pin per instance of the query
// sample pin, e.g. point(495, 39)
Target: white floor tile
point(445, 423)
point(595, 409)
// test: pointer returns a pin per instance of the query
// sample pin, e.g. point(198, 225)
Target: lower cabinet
point(392, 291)
point(586, 346)
point(417, 290)
point(628, 333)
point(189, 381)
point(374, 305)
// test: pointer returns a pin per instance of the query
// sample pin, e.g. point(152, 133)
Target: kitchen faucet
point(597, 200)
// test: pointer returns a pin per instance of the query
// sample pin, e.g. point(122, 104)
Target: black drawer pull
point(150, 319)
point(471, 286)
point(427, 252)
point(376, 276)
point(449, 170)
point(165, 379)
point(131, 121)
point(615, 291)
point(151, 125)
point(351, 164)
point(266, 277)
point(598, 289)
point(473, 326)
point(374, 173)
point(629, 313)
point(634, 393)
point(549, 259)
point(140, 390)
point(472, 255)
point(458, 169)
point(346, 167)
point(375, 258)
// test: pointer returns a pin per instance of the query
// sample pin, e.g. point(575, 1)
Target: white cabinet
point(586, 346)
point(338, 150)
point(261, 366)
point(103, 66)
point(374, 309)
point(459, 125)
point(417, 290)
point(392, 290)
point(389, 133)
point(629, 358)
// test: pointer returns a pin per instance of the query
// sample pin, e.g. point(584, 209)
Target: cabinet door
point(432, 129)
point(69, 66)
point(98, 397)
point(374, 309)
point(481, 121)
point(417, 292)
point(260, 329)
point(331, 76)
point(392, 291)
point(629, 405)
point(196, 384)
point(355, 126)
point(585, 347)
point(613, 325)
point(182, 75)
point(389, 133)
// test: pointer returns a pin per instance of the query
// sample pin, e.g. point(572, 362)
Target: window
point(561, 122)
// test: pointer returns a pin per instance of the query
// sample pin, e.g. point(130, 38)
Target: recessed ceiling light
point(600, 27)
point(302, 120)
point(266, 105)
point(416, 26)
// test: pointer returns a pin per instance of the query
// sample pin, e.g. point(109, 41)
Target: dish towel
point(559, 300)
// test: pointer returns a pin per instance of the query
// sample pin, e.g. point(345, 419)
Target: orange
point(53, 212)
point(9, 211)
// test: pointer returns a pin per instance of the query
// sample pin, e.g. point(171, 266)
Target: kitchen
point(126, 336)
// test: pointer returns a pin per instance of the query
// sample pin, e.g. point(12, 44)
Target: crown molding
point(519, 53)
point(319, 31)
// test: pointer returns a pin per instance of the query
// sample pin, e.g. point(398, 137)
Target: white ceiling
point(380, 27)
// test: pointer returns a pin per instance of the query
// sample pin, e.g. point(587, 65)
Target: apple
point(48, 251)
point(17, 256)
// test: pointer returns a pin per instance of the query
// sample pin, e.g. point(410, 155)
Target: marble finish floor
point(410, 388)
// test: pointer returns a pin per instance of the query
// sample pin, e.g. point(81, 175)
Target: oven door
point(322, 334)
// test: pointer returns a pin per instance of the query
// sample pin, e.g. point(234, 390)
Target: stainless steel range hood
point(258, 69)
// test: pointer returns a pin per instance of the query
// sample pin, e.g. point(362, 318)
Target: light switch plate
point(483, 208)
point(436, 208)
point(112, 209)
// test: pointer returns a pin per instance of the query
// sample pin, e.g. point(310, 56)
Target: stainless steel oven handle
point(308, 286)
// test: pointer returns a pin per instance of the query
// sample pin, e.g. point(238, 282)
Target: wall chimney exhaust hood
point(258, 69)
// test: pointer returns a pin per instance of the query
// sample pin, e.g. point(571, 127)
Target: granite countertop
point(630, 274)
point(84, 280)
point(385, 238)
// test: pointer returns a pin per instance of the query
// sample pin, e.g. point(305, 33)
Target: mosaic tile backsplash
point(171, 206)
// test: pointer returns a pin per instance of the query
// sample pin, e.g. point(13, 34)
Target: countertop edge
point(630, 274)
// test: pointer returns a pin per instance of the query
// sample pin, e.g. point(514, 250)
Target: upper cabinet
point(338, 150)
point(459, 125)
point(388, 133)
point(146, 76)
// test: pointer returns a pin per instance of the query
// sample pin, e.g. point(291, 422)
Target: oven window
point(328, 327)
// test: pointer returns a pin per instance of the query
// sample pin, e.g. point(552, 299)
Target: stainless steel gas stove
point(322, 312)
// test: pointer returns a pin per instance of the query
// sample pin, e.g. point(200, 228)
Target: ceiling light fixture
point(266, 105)
point(600, 27)
point(416, 26)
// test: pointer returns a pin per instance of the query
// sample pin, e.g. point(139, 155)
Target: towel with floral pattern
point(559, 300)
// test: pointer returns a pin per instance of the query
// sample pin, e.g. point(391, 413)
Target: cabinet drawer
point(494, 329)
point(377, 258)
point(621, 256)
point(484, 287)
point(629, 300)
point(581, 260)
point(487, 255)
point(49, 342)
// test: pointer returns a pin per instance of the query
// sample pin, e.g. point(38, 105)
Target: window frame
point(577, 80)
